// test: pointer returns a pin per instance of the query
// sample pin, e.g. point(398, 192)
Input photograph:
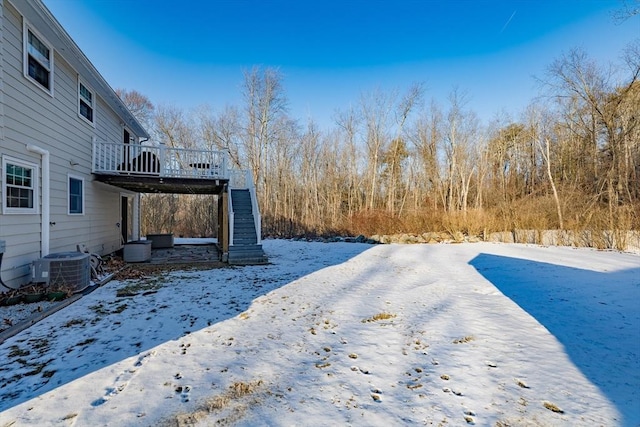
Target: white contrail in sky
point(508, 21)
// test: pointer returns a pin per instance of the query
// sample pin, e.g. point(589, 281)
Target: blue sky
point(330, 51)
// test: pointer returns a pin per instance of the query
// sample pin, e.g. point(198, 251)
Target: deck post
point(223, 223)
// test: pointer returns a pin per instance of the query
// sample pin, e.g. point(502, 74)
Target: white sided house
point(73, 158)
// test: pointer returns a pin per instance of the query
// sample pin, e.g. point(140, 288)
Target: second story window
point(85, 102)
point(38, 59)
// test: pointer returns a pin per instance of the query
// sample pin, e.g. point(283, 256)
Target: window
point(38, 59)
point(85, 102)
point(76, 195)
point(19, 186)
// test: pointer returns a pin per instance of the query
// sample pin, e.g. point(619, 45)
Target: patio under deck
point(187, 254)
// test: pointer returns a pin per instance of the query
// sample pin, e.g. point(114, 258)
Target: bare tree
point(348, 123)
point(426, 136)
point(629, 9)
point(139, 105)
point(593, 102)
point(540, 125)
point(265, 104)
point(376, 108)
point(459, 137)
point(397, 151)
point(223, 131)
point(389, 160)
point(174, 129)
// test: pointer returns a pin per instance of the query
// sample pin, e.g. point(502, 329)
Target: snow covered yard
point(344, 334)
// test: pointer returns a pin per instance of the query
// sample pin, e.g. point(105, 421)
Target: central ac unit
point(71, 270)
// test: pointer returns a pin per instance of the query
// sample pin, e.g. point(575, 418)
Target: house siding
point(30, 115)
point(21, 232)
point(1, 72)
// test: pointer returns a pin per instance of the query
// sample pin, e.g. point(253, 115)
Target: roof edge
point(71, 52)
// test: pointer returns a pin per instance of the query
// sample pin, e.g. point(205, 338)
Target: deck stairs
point(245, 247)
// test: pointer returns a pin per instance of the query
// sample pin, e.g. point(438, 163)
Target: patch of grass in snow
point(227, 401)
point(378, 317)
point(463, 340)
point(17, 351)
point(529, 422)
point(73, 322)
point(419, 345)
point(14, 394)
point(99, 309)
point(133, 289)
point(41, 345)
point(48, 374)
point(86, 342)
point(552, 407)
point(37, 368)
point(236, 390)
point(5, 381)
point(38, 343)
point(120, 308)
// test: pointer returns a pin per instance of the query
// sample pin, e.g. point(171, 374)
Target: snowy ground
point(344, 334)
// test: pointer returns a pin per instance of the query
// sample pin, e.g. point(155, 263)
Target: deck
point(162, 169)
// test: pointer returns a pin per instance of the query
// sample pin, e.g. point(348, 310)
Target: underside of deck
point(157, 184)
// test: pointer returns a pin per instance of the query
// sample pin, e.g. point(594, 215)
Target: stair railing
point(254, 206)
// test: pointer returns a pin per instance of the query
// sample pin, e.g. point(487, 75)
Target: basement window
point(19, 186)
point(38, 59)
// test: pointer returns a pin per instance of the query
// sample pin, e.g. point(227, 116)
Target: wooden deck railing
point(159, 160)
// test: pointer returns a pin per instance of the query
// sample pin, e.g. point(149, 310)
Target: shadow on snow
point(102, 329)
point(593, 314)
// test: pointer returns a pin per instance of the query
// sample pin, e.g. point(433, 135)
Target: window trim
point(35, 180)
point(26, 28)
point(82, 99)
point(82, 194)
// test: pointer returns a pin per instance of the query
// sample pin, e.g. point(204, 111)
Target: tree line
point(398, 162)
